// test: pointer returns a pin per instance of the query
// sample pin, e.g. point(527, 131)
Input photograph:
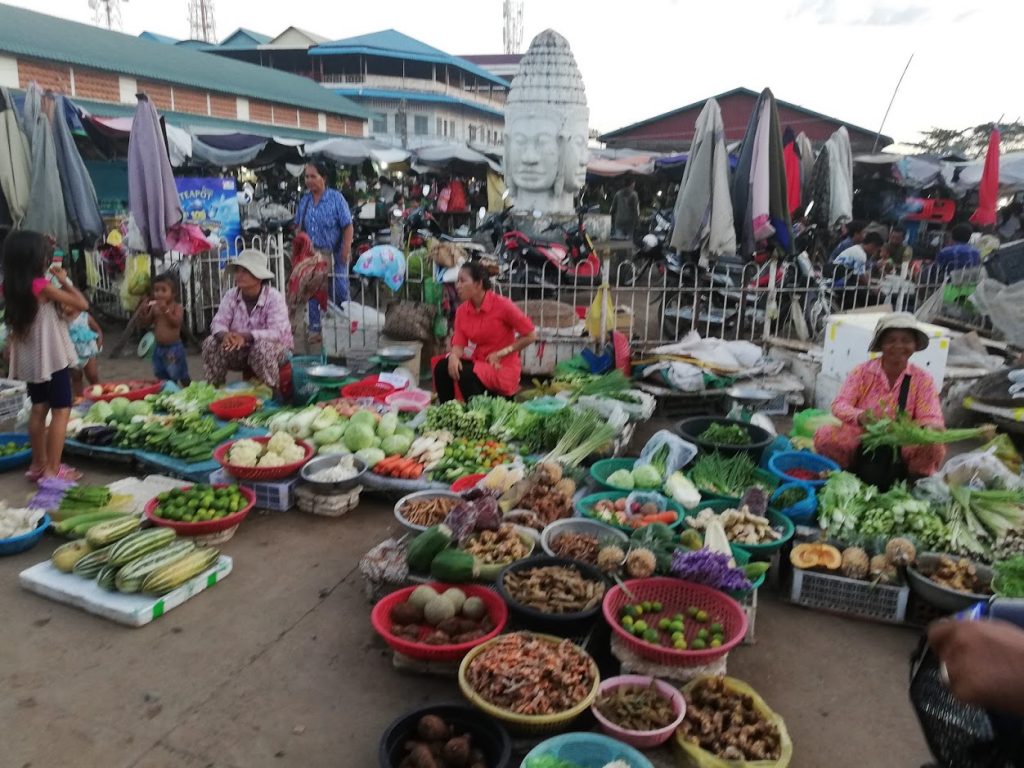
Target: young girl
point(87, 336)
point(42, 353)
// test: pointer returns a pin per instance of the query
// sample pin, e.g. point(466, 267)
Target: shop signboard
point(212, 205)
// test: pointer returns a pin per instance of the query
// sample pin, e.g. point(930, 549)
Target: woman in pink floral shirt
point(251, 330)
point(872, 391)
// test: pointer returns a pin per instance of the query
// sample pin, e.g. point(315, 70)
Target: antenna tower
point(201, 24)
point(106, 13)
point(512, 34)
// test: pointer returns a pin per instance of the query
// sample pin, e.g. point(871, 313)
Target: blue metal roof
point(435, 98)
point(245, 38)
point(395, 45)
point(156, 37)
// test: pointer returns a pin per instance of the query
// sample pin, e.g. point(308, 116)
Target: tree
point(970, 142)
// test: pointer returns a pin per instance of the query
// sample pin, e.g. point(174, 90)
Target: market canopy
point(452, 157)
point(348, 151)
point(618, 162)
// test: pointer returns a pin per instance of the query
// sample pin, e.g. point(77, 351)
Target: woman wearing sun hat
point(878, 389)
point(251, 330)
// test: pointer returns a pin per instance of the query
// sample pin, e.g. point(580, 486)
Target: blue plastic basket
point(781, 463)
point(803, 512)
point(588, 750)
point(18, 459)
point(25, 541)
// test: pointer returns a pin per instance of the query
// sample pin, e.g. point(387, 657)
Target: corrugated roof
point(156, 37)
point(396, 45)
point(38, 36)
point(244, 38)
point(435, 98)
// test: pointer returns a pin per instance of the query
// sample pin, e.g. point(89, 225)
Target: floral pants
point(840, 443)
point(262, 356)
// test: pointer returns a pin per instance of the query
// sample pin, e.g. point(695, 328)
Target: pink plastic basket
point(409, 400)
point(640, 739)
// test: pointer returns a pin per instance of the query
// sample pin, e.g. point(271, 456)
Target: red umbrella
point(791, 162)
point(988, 189)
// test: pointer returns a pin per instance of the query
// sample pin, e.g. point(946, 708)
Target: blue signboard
point(212, 205)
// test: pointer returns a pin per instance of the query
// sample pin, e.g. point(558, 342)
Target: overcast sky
point(839, 57)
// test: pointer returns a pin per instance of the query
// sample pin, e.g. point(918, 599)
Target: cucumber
point(68, 524)
point(170, 577)
point(106, 577)
point(141, 543)
point(131, 576)
point(454, 566)
point(112, 530)
point(89, 566)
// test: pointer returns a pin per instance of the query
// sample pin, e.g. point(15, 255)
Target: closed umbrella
point(83, 210)
point(791, 159)
point(152, 194)
point(840, 169)
point(988, 189)
point(703, 209)
point(45, 212)
point(15, 169)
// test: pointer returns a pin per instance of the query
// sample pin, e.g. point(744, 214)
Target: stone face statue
point(546, 125)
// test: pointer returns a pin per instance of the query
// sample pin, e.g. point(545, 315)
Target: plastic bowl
point(371, 387)
point(937, 595)
point(464, 484)
point(803, 512)
point(584, 507)
point(205, 527)
point(489, 737)
point(326, 462)
point(415, 497)
point(545, 406)
point(25, 541)
point(604, 533)
point(605, 468)
point(562, 624)
point(691, 429)
point(220, 454)
point(589, 750)
point(677, 596)
point(137, 390)
point(784, 461)
point(409, 400)
point(19, 458)
point(490, 571)
point(536, 724)
point(640, 739)
point(778, 521)
point(380, 618)
point(234, 407)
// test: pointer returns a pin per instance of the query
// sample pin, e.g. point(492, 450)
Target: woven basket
point(210, 539)
point(327, 505)
point(549, 314)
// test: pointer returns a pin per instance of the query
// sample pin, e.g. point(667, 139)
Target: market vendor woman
point(878, 389)
point(490, 331)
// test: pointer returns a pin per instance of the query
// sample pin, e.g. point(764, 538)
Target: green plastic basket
point(765, 479)
point(586, 504)
point(778, 521)
point(303, 387)
point(605, 468)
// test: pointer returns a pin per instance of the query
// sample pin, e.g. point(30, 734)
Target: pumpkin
point(807, 556)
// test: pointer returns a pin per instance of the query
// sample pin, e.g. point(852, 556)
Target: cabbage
point(301, 425)
point(139, 408)
point(119, 406)
point(358, 436)
point(396, 444)
point(99, 412)
point(621, 478)
point(328, 435)
point(646, 476)
point(406, 432)
point(388, 425)
point(366, 418)
point(332, 449)
point(370, 456)
point(327, 417)
point(679, 488)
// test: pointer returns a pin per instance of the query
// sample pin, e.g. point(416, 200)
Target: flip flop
point(66, 473)
point(33, 474)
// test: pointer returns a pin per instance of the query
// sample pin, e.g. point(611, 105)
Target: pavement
point(278, 666)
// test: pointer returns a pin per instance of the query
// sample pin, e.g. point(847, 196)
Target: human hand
point(984, 662)
point(454, 367)
point(867, 416)
point(494, 359)
point(233, 341)
point(59, 272)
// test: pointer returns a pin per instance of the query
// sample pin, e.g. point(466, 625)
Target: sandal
point(66, 473)
point(33, 475)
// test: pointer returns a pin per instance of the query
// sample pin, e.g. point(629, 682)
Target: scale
point(328, 379)
point(748, 400)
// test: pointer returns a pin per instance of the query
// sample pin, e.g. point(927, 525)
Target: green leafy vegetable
point(725, 434)
point(903, 430)
point(724, 475)
point(1009, 577)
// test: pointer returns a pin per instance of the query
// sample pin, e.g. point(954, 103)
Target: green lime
point(651, 636)
point(678, 636)
point(679, 645)
point(664, 624)
point(716, 642)
point(717, 628)
point(702, 616)
point(698, 644)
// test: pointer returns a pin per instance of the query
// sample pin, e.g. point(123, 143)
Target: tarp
point(348, 151)
point(452, 156)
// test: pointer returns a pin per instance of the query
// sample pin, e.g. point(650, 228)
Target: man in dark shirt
point(625, 210)
point(959, 254)
point(854, 236)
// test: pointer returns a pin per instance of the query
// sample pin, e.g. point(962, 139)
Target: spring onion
point(726, 476)
point(585, 433)
point(903, 430)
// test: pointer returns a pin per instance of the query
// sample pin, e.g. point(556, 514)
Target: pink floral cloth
point(867, 387)
point(268, 320)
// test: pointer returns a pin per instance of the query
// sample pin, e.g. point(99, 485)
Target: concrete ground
point(278, 665)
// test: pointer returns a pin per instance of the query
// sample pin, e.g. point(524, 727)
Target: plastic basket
point(487, 736)
point(803, 512)
point(778, 521)
point(605, 468)
point(138, 391)
point(691, 429)
point(12, 396)
point(409, 400)
point(25, 541)
point(380, 618)
point(235, 407)
point(641, 739)
point(839, 594)
point(677, 596)
point(370, 387)
point(262, 474)
point(206, 527)
point(469, 481)
point(562, 624)
point(589, 750)
point(303, 387)
point(528, 724)
point(277, 496)
point(584, 507)
point(19, 458)
point(784, 461)
point(762, 479)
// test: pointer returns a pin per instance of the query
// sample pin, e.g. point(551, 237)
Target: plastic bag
point(978, 470)
point(602, 304)
point(135, 283)
point(680, 452)
point(1002, 448)
point(646, 497)
point(692, 756)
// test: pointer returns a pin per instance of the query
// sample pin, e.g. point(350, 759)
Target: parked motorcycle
point(652, 254)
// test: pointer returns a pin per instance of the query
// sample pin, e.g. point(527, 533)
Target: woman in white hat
point(879, 388)
point(251, 330)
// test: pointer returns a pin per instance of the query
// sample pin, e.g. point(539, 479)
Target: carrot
point(668, 517)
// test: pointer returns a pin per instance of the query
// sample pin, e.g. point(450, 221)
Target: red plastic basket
point(676, 596)
point(206, 526)
point(370, 387)
point(137, 390)
point(380, 617)
point(467, 482)
point(235, 407)
point(220, 454)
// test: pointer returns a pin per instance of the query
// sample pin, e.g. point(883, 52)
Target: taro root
point(456, 752)
point(432, 728)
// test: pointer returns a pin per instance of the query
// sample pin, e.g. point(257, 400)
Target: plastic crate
point(850, 596)
point(277, 496)
point(12, 395)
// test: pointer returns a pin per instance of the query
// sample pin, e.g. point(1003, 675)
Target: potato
point(433, 728)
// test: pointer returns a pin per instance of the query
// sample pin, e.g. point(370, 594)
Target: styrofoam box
point(848, 337)
point(540, 358)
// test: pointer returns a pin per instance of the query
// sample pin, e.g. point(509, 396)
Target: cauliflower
point(271, 460)
point(244, 455)
point(280, 442)
point(293, 454)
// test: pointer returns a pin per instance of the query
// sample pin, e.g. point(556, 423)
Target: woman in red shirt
point(485, 349)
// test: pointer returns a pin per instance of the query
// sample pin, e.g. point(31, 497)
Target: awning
point(357, 151)
point(455, 157)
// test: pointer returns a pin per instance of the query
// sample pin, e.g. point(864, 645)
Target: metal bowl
point(603, 533)
point(416, 497)
point(397, 354)
point(326, 462)
point(935, 594)
point(327, 372)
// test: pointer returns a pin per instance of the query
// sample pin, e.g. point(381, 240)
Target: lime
point(702, 616)
point(679, 645)
point(698, 644)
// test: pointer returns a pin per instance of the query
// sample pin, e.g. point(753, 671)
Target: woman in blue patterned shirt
point(324, 216)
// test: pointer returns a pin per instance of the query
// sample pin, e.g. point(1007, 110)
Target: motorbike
point(653, 254)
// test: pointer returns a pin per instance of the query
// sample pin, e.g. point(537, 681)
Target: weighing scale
point(328, 379)
point(748, 400)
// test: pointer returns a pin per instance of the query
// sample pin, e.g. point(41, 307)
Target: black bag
point(883, 468)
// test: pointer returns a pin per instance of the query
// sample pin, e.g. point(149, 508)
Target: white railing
point(494, 99)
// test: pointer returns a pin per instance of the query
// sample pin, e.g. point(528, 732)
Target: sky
point(839, 57)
